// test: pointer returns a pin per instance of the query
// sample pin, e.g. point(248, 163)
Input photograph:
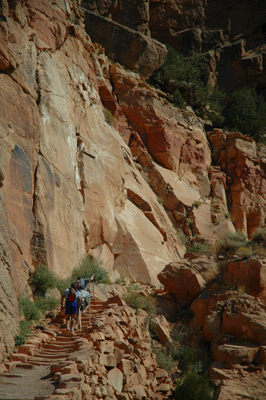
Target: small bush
point(164, 359)
point(178, 99)
point(139, 302)
point(109, 118)
point(48, 304)
point(196, 203)
point(19, 340)
point(194, 387)
point(259, 235)
point(197, 247)
point(228, 215)
point(63, 284)
point(160, 200)
point(183, 238)
point(190, 222)
point(188, 358)
point(42, 279)
point(89, 267)
point(28, 309)
point(231, 242)
point(24, 333)
point(244, 252)
point(185, 314)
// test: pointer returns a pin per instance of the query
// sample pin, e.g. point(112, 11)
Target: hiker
point(72, 304)
point(85, 297)
point(82, 282)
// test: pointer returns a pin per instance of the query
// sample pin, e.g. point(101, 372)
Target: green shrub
point(46, 304)
point(19, 340)
point(231, 242)
point(198, 247)
point(194, 387)
point(28, 309)
point(89, 267)
point(178, 99)
point(139, 302)
point(109, 118)
point(164, 359)
point(24, 332)
point(188, 358)
point(259, 235)
point(196, 203)
point(246, 112)
point(42, 279)
point(189, 76)
point(244, 252)
point(183, 238)
point(228, 215)
point(160, 200)
point(190, 222)
point(63, 284)
point(185, 314)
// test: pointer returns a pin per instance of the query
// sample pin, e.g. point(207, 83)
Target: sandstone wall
point(64, 170)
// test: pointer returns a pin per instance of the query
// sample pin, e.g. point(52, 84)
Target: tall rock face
point(69, 185)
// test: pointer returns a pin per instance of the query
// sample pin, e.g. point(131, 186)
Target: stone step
point(45, 361)
point(49, 356)
point(56, 345)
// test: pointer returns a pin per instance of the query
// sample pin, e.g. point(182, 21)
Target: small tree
point(188, 74)
point(246, 112)
point(89, 267)
point(43, 279)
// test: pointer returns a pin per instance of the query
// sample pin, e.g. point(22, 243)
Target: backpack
point(71, 295)
point(85, 298)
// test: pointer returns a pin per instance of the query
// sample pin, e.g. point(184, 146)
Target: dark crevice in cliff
point(37, 244)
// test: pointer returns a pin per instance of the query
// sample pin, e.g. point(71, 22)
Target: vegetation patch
point(185, 314)
point(194, 387)
point(109, 118)
point(90, 267)
point(28, 309)
point(43, 279)
point(46, 304)
point(231, 242)
point(244, 252)
point(197, 247)
point(24, 332)
point(140, 302)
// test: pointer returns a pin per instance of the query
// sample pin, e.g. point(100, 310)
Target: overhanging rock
point(124, 45)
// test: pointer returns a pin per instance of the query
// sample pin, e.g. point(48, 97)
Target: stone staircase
point(27, 375)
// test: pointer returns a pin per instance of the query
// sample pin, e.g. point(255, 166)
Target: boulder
point(249, 274)
point(115, 379)
point(182, 282)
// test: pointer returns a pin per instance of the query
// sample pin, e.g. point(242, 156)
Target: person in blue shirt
point(72, 304)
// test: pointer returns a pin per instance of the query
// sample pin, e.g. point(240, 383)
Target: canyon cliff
point(95, 161)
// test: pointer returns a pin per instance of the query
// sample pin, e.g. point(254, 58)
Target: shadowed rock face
point(230, 34)
point(128, 47)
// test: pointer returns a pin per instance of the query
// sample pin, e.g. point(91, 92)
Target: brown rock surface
point(182, 281)
point(240, 158)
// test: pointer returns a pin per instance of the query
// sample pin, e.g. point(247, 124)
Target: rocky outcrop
point(230, 36)
point(242, 161)
point(128, 47)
